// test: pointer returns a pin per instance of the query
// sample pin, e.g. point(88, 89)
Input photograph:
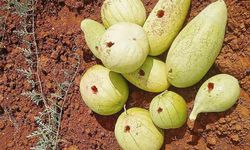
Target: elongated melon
point(92, 33)
point(195, 49)
point(164, 23)
point(151, 76)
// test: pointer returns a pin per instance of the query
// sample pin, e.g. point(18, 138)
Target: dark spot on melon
point(210, 86)
point(134, 39)
point(109, 44)
point(159, 110)
point(127, 128)
point(160, 13)
point(170, 71)
point(94, 89)
point(96, 47)
point(141, 72)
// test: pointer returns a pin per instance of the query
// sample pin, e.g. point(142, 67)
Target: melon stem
point(193, 114)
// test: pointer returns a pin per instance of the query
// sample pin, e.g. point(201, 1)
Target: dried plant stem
point(49, 120)
point(64, 100)
point(37, 57)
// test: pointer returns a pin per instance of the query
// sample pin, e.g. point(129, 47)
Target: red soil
point(58, 35)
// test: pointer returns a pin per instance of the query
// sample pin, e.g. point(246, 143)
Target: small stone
point(238, 127)
point(211, 140)
point(27, 86)
point(102, 134)
point(79, 4)
point(9, 66)
point(234, 121)
point(48, 84)
point(72, 147)
point(77, 106)
point(54, 55)
point(87, 131)
point(190, 124)
point(25, 142)
point(1, 97)
point(220, 129)
point(228, 119)
point(218, 133)
point(31, 118)
point(26, 109)
point(63, 58)
point(2, 125)
point(60, 103)
point(222, 121)
point(90, 112)
point(11, 144)
point(235, 138)
point(216, 126)
point(234, 44)
point(229, 38)
point(208, 127)
point(246, 126)
point(12, 85)
point(200, 130)
point(242, 26)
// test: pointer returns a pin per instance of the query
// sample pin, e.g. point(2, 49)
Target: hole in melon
point(127, 128)
point(109, 44)
point(210, 86)
point(94, 89)
point(159, 110)
point(141, 72)
point(160, 13)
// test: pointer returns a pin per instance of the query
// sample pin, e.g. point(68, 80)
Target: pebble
point(48, 84)
point(2, 125)
point(190, 124)
point(218, 132)
point(90, 112)
point(77, 106)
point(102, 134)
point(54, 55)
point(211, 140)
point(235, 138)
point(11, 144)
point(26, 109)
point(242, 26)
point(238, 127)
point(222, 121)
point(208, 127)
point(72, 147)
point(200, 130)
point(63, 58)
point(60, 103)
point(1, 97)
point(234, 121)
point(87, 131)
point(27, 86)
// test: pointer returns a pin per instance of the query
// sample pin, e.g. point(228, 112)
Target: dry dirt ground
point(58, 35)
